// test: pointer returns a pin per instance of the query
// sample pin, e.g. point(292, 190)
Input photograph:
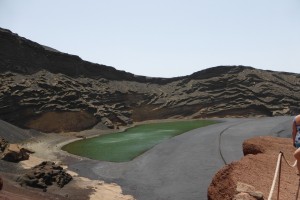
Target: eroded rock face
point(38, 84)
point(44, 175)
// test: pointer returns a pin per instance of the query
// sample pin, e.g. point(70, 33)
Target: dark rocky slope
point(52, 91)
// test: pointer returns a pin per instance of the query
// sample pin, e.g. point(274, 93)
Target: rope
point(278, 173)
point(293, 165)
point(275, 176)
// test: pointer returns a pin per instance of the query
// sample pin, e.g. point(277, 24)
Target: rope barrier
point(293, 165)
point(277, 175)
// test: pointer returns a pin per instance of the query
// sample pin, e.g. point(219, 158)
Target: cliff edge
point(257, 169)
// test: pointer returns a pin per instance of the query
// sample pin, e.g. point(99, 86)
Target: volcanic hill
point(47, 90)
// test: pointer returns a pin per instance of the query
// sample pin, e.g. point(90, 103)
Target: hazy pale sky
point(164, 38)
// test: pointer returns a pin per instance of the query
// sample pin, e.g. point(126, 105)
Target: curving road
point(182, 167)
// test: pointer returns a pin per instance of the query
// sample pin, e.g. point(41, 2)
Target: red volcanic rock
point(257, 169)
point(252, 147)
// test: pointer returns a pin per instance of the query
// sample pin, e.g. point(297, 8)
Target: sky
point(164, 38)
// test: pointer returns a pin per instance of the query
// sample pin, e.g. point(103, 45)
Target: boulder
point(251, 148)
point(107, 122)
point(124, 120)
point(44, 175)
point(243, 196)
point(243, 187)
point(246, 191)
point(13, 153)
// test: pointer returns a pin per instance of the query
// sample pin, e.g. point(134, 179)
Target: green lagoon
point(125, 146)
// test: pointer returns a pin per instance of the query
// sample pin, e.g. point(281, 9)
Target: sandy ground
point(48, 148)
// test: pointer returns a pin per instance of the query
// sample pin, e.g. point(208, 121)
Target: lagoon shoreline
point(168, 169)
point(47, 147)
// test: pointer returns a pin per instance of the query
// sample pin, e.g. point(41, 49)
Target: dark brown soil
point(62, 121)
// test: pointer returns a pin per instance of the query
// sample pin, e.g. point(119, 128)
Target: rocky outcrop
point(52, 91)
point(45, 174)
point(247, 192)
point(256, 169)
point(14, 153)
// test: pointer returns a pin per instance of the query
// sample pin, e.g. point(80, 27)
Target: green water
point(125, 146)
